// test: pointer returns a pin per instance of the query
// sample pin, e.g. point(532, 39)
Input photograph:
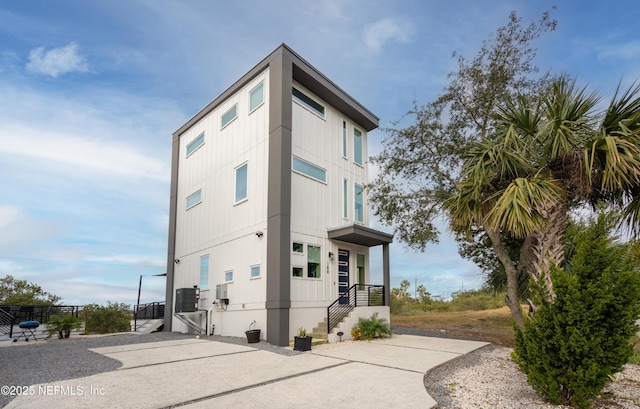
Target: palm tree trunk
point(513, 297)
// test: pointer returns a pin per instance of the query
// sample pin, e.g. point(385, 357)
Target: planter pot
point(302, 344)
point(253, 336)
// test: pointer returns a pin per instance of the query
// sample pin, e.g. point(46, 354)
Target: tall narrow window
point(256, 97)
point(361, 272)
point(228, 116)
point(193, 199)
point(357, 147)
point(204, 272)
point(195, 144)
point(241, 183)
point(313, 262)
point(359, 201)
point(345, 198)
point(344, 139)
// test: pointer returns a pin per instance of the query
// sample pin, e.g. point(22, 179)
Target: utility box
point(186, 299)
point(221, 293)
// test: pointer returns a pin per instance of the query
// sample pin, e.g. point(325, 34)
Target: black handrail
point(146, 312)
point(6, 320)
point(358, 295)
point(40, 313)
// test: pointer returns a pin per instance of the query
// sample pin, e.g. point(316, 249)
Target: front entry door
point(343, 274)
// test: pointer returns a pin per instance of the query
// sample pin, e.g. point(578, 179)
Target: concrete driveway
point(198, 373)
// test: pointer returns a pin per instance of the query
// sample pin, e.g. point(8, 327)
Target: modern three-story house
point(268, 214)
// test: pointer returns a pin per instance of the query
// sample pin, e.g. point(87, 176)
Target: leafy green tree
point(421, 164)
point(572, 346)
point(22, 292)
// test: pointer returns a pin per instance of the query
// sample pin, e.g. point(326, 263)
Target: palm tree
point(549, 155)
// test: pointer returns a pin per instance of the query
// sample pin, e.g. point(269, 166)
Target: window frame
point(246, 184)
point(307, 163)
point(358, 154)
point(224, 124)
point(345, 198)
point(227, 280)
point(293, 249)
point(194, 141)
point(345, 153)
point(318, 270)
point(293, 271)
point(206, 287)
point(251, 93)
point(192, 205)
point(251, 268)
point(355, 202)
point(308, 103)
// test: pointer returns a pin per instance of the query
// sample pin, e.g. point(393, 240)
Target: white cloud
point(57, 61)
point(378, 34)
point(625, 51)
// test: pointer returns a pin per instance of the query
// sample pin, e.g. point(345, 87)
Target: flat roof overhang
point(363, 236)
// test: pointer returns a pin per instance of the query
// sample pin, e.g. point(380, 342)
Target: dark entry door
point(343, 274)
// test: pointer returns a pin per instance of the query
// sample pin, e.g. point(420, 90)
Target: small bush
point(62, 325)
point(373, 327)
point(115, 317)
point(573, 345)
point(356, 333)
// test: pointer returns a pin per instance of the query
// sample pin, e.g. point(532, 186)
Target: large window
point(359, 201)
point(357, 147)
point(307, 102)
point(204, 272)
point(313, 262)
point(256, 97)
point(309, 169)
point(195, 144)
point(193, 199)
point(228, 116)
point(345, 198)
point(241, 183)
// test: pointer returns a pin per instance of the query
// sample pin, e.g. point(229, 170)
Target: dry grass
point(494, 326)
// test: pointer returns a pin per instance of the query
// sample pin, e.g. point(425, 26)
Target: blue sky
point(90, 93)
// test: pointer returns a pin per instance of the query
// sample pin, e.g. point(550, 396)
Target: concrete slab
point(169, 352)
point(172, 383)
point(346, 386)
point(432, 343)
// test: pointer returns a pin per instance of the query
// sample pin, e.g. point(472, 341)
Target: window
point(256, 97)
point(255, 271)
point(297, 272)
point(308, 103)
point(193, 199)
point(195, 144)
point(308, 169)
point(313, 262)
point(298, 248)
point(344, 139)
point(228, 276)
point(345, 198)
point(204, 272)
point(360, 266)
point(228, 116)
point(357, 147)
point(359, 200)
point(241, 183)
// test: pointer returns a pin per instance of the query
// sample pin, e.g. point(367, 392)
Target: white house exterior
point(267, 199)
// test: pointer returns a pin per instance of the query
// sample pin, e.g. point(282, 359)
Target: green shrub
point(99, 319)
point(572, 346)
point(373, 327)
point(62, 325)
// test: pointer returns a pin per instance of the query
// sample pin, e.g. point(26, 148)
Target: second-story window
point(241, 183)
point(357, 147)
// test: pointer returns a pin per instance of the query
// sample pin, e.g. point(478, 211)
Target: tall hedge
point(571, 346)
point(100, 319)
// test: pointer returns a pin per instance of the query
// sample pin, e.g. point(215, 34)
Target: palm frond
point(623, 110)
point(615, 160)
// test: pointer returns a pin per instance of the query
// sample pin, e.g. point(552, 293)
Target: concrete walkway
point(202, 374)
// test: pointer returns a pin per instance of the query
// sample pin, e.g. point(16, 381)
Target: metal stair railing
point(143, 313)
point(6, 323)
point(358, 295)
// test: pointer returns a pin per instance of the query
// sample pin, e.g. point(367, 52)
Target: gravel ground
point(31, 363)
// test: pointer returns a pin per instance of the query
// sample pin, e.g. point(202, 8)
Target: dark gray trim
point(386, 274)
point(361, 235)
point(171, 247)
point(279, 200)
